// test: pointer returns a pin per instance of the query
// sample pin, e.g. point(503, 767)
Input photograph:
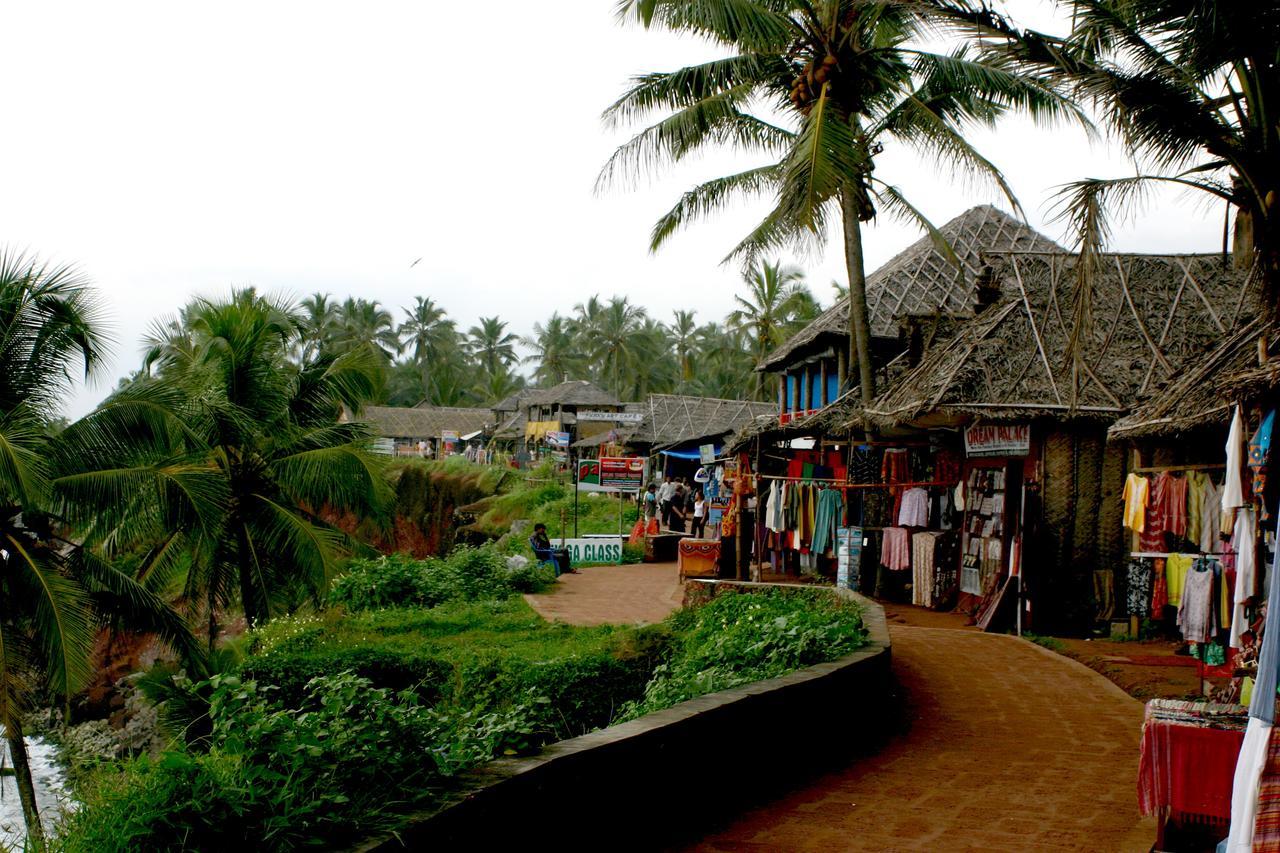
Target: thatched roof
point(512, 403)
point(921, 280)
point(1152, 318)
point(1202, 396)
point(424, 421)
point(675, 419)
point(511, 428)
point(575, 392)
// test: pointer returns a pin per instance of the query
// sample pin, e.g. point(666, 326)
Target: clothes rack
point(1156, 469)
point(1166, 554)
point(842, 484)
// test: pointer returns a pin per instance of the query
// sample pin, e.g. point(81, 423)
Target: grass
point(1050, 643)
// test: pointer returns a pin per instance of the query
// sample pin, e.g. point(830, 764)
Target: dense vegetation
point(614, 342)
point(339, 723)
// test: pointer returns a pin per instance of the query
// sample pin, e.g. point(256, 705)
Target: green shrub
point(740, 637)
point(468, 574)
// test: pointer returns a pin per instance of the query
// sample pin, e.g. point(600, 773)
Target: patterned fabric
point(922, 566)
point(1159, 589)
point(1139, 586)
point(896, 468)
point(1170, 498)
point(864, 465)
point(895, 553)
point(1259, 450)
point(1196, 613)
point(1266, 826)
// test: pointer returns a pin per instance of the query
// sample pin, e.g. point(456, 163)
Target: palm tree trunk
point(26, 786)
point(859, 328)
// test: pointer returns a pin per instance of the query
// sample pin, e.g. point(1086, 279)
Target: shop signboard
point(848, 556)
point(558, 440)
point(611, 417)
point(589, 475)
point(595, 549)
point(449, 441)
point(622, 473)
point(707, 453)
point(998, 440)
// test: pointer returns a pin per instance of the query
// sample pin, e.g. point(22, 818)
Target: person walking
point(699, 527)
point(665, 493)
point(650, 504)
point(676, 522)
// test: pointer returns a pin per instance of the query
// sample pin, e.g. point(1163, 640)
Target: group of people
point(678, 502)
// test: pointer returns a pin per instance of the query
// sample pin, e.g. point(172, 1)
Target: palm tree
point(554, 350)
point(777, 302)
point(851, 78)
point(682, 332)
point(492, 387)
point(426, 332)
point(363, 322)
point(253, 450)
point(613, 339)
point(54, 590)
point(321, 327)
point(1191, 88)
point(492, 345)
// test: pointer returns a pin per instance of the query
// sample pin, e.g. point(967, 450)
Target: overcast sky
point(174, 149)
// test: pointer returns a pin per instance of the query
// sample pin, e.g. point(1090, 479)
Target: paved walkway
point(1010, 748)
point(618, 595)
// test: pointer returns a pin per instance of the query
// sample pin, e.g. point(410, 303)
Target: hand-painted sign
point(612, 417)
point(604, 549)
point(998, 440)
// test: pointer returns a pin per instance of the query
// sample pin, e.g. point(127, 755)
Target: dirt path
point(619, 595)
point(1010, 748)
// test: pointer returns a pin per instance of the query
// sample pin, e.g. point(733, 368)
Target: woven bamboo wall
point(1082, 487)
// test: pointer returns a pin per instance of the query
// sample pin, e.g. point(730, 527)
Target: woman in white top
point(699, 526)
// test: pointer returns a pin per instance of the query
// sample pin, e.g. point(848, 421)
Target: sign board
point(589, 475)
point(602, 549)
point(707, 453)
point(612, 417)
point(848, 556)
point(622, 473)
point(558, 439)
point(998, 440)
point(448, 441)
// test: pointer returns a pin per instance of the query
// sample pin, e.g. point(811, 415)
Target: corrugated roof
point(921, 280)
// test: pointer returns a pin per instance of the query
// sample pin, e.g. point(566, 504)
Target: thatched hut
point(404, 428)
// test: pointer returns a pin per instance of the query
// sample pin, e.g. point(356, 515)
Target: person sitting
point(545, 553)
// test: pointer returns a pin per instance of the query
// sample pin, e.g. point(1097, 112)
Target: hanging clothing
point(829, 515)
point(1211, 519)
point(895, 553)
point(1197, 484)
point(915, 509)
point(1244, 788)
point(1259, 451)
point(1159, 588)
point(1104, 584)
point(1139, 587)
point(896, 468)
point(1175, 576)
point(1196, 610)
point(1244, 542)
point(1170, 497)
point(1233, 489)
point(1135, 502)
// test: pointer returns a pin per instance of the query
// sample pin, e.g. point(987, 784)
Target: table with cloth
point(698, 558)
point(1188, 761)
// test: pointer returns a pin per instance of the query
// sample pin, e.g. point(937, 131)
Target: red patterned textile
point(1266, 826)
point(1189, 770)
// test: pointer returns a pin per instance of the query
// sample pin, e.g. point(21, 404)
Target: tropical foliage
point(55, 589)
point(817, 89)
point(1189, 86)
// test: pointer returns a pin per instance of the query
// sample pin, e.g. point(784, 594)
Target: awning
point(686, 454)
point(471, 435)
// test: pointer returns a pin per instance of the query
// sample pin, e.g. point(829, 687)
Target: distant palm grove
point(426, 356)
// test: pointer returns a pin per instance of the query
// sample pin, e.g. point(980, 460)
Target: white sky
point(173, 149)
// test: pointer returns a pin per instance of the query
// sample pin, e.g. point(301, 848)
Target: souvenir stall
point(874, 516)
point(1202, 536)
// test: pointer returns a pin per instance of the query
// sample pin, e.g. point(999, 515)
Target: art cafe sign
point(998, 440)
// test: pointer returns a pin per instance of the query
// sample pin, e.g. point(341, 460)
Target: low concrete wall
point(671, 775)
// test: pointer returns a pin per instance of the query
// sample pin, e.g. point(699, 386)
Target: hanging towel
point(1233, 491)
